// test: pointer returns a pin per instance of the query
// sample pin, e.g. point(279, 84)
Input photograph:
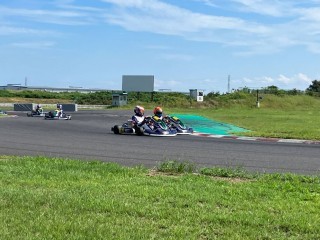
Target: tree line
point(169, 98)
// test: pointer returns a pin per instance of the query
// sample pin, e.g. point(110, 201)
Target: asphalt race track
point(88, 137)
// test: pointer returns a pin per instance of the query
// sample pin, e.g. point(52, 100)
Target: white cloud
point(33, 45)
point(309, 14)
point(158, 17)
point(284, 79)
point(167, 84)
point(245, 80)
point(36, 13)
point(304, 78)
point(279, 25)
point(302, 28)
point(300, 81)
point(299, 78)
point(267, 80)
point(7, 30)
point(208, 2)
point(254, 37)
point(271, 7)
point(48, 16)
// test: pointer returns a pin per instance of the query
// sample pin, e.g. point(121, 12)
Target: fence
point(66, 107)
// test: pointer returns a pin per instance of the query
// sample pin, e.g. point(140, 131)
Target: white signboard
point(138, 83)
point(197, 94)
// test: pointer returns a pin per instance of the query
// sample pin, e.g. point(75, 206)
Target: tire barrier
point(30, 106)
point(69, 107)
point(23, 106)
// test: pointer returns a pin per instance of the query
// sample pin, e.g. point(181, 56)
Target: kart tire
point(116, 129)
point(139, 131)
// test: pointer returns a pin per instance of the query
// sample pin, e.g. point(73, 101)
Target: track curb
point(260, 139)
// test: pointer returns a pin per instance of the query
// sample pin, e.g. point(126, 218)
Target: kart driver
point(157, 111)
point(138, 118)
point(59, 108)
point(38, 109)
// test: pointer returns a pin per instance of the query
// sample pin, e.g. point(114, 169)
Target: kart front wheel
point(139, 131)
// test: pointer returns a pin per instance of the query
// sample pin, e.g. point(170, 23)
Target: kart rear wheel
point(116, 129)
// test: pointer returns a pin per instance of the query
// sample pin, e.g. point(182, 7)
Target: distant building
point(197, 94)
point(119, 99)
point(52, 89)
point(13, 87)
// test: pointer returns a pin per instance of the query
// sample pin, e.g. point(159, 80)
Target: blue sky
point(183, 43)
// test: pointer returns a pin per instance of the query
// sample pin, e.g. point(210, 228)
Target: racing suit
point(60, 110)
point(38, 110)
point(138, 120)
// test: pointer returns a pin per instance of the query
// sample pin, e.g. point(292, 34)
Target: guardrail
point(6, 104)
point(66, 107)
point(93, 106)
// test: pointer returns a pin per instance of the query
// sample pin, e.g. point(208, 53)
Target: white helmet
point(139, 111)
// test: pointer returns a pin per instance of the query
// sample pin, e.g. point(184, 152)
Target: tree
point(272, 89)
point(314, 87)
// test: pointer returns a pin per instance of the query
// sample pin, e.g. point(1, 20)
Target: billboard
point(138, 83)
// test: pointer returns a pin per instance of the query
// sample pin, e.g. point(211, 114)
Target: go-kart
point(178, 125)
point(2, 112)
point(151, 126)
point(56, 115)
point(34, 113)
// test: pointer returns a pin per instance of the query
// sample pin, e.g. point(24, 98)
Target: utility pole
point(257, 102)
point(25, 81)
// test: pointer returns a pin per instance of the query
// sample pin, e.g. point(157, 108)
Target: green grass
point(43, 198)
point(298, 124)
point(174, 166)
point(296, 117)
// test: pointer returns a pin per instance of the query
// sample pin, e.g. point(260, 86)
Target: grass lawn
point(294, 117)
point(295, 123)
point(43, 198)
